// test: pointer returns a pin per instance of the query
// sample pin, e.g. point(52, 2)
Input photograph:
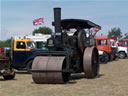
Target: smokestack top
point(57, 19)
point(57, 8)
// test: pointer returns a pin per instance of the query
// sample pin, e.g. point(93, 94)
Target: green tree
point(6, 43)
point(114, 32)
point(42, 30)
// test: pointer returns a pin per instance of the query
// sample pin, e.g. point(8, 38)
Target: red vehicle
point(6, 70)
point(124, 43)
point(104, 48)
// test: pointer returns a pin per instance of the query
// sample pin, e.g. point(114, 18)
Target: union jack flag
point(39, 21)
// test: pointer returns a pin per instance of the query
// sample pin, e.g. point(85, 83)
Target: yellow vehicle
point(23, 45)
point(23, 53)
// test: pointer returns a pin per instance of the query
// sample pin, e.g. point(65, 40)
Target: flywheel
point(81, 40)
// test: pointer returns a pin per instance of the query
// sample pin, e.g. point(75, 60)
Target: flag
point(126, 34)
point(39, 21)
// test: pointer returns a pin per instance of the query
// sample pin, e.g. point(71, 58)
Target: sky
point(16, 16)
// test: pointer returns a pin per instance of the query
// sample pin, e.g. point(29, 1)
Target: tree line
point(6, 43)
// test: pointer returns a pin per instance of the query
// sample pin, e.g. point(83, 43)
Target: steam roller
point(67, 53)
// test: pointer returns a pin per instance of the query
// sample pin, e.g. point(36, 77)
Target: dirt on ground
point(112, 81)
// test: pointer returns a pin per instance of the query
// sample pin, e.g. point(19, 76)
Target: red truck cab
point(103, 44)
point(104, 47)
point(125, 43)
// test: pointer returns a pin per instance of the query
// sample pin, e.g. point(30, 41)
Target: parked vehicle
point(23, 53)
point(6, 69)
point(122, 49)
point(103, 45)
point(119, 47)
point(124, 43)
point(40, 40)
point(122, 52)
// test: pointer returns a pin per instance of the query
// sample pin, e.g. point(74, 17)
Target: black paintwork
point(21, 58)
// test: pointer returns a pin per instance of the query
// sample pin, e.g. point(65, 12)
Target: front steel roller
point(90, 62)
point(49, 69)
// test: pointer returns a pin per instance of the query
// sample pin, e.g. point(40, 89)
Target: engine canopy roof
point(75, 23)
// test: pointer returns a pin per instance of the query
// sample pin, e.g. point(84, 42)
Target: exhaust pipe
point(57, 21)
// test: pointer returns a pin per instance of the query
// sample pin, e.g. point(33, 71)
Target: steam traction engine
point(67, 54)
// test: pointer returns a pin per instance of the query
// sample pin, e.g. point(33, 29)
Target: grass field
point(112, 81)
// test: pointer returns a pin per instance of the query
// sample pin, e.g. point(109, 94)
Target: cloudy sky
point(17, 15)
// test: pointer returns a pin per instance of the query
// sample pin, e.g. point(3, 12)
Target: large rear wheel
point(91, 62)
